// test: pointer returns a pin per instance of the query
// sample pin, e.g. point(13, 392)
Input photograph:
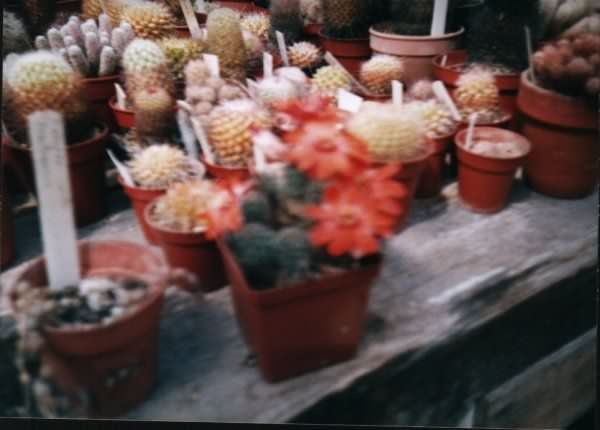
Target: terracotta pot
point(432, 177)
point(304, 327)
point(217, 172)
point(484, 182)
point(125, 118)
point(417, 52)
point(351, 53)
point(508, 84)
point(7, 227)
point(192, 252)
point(564, 134)
point(87, 173)
point(99, 91)
point(96, 354)
point(140, 198)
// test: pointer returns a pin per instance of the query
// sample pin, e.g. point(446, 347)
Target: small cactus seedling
point(146, 65)
point(304, 55)
point(329, 79)
point(378, 73)
point(477, 92)
point(160, 166)
point(153, 109)
point(285, 17)
point(226, 41)
point(179, 52)
point(151, 21)
point(14, 35)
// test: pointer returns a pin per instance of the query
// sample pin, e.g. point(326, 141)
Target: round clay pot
point(432, 176)
point(508, 84)
point(125, 118)
point(417, 52)
point(7, 227)
point(485, 182)
point(192, 252)
point(140, 198)
point(351, 53)
point(241, 173)
point(86, 162)
point(96, 354)
point(564, 134)
point(99, 91)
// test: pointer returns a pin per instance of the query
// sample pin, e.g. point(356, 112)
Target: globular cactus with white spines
point(154, 115)
point(180, 52)
point(304, 55)
point(114, 8)
point(275, 90)
point(438, 119)
point(311, 11)
point(152, 21)
point(421, 90)
point(226, 41)
point(391, 132)
point(258, 24)
point(329, 79)
point(14, 35)
point(378, 73)
point(477, 92)
point(161, 166)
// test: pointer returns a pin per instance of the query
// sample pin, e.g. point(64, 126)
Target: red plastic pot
point(484, 182)
point(351, 53)
point(430, 184)
point(564, 134)
point(192, 252)
point(125, 118)
point(220, 172)
point(508, 84)
point(87, 173)
point(99, 91)
point(7, 227)
point(94, 356)
point(303, 327)
point(140, 198)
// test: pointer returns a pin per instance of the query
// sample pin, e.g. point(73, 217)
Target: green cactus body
point(225, 40)
point(257, 208)
point(295, 255)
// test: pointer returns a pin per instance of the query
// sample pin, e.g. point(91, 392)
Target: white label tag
point(282, 48)
point(442, 95)
point(267, 65)
point(471, 130)
point(122, 169)
point(190, 18)
point(212, 62)
point(529, 42)
point(121, 97)
point(348, 101)
point(201, 136)
point(440, 10)
point(332, 61)
point(397, 93)
point(48, 142)
point(187, 133)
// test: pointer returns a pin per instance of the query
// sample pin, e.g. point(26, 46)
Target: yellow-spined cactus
point(258, 24)
point(151, 21)
point(160, 166)
point(154, 112)
point(438, 119)
point(179, 52)
point(304, 55)
point(226, 41)
point(329, 79)
point(378, 73)
point(477, 92)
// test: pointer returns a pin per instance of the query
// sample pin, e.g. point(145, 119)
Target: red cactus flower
point(323, 151)
point(224, 213)
point(379, 184)
point(310, 108)
point(346, 222)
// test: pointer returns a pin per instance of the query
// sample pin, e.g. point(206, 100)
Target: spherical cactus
point(311, 11)
point(256, 207)
point(151, 21)
point(91, 9)
point(160, 166)
point(378, 73)
point(340, 17)
point(304, 55)
point(421, 90)
point(254, 46)
point(329, 79)
point(184, 204)
point(477, 92)
point(179, 52)
point(196, 73)
point(438, 120)
point(153, 109)
point(146, 65)
point(14, 35)
point(295, 254)
point(274, 89)
point(391, 132)
point(226, 41)
point(258, 24)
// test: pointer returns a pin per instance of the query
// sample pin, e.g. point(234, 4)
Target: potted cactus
point(178, 220)
point(285, 18)
point(226, 41)
point(14, 35)
point(179, 52)
point(150, 20)
point(311, 12)
point(378, 73)
point(560, 116)
point(307, 246)
point(43, 80)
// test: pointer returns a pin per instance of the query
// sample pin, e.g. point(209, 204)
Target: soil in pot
point(488, 166)
point(303, 327)
point(140, 198)
point(105, 338)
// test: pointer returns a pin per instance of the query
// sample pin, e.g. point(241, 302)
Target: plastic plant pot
point(125, 118)
point(351, 53)
point(220, 172)
point(432, 177)
point(140, 198)
point(99, 92)
point(485, 182)
point(564, 134)
point(302, 327)
point(192, 252)
point(127, 347)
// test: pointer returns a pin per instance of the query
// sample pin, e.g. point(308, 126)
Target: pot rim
point(505, 119)
point(391, 36)
point(437, 63)
point(461, 137)
point(102, 79)
point(526, 80)
point(218, 167)
point(200, 235)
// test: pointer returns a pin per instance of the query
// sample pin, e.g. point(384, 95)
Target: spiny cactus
point(351, 19)
point(256, 208)
point(311, 11)
point(391, 132)
point(378, 73)
point(275, 89)
point(329, 79)
point(254, 48)
point(477, 92)
point(285, 17)
point(146, 65)
point(438, 120)
point(175, 9)
point(179, 52)
point(258, 24)
point(151, 21)
point(304, 55)
point(160, 166)
point(295, 254)
point(154, 112)
point(225, 40)
point(14, 35)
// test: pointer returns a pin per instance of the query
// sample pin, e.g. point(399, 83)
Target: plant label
point(282, 48)
point(440, 11)
point(471, 130)
point(203, 139)
point(190, 18)
point(348, 101)
point(269, 144)
point(212, 62)
point(529, 43)
point(267, 65)
point(49, 147)
point(187, 133)
point(122, 169)
point(121, 97)
point(442, 95)
point(201, 6)
point(397, 93)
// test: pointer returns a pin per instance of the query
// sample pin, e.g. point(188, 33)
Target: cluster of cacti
point(329, 79)
point(276, 89)
point(391, 132)
point(569, 17)
point(285, 18)
point(203, 92)
point(570, 65)
point(378, 73)
point(149, 20)
point(225, 40)
point(43, 80)
point(311, 11)
point(160, 166)
point(153, 108)
point(477, 92)
point(304, 55)
point(183, 205)
point(230, 128)
point(92, 48)
point(438, 119)
point(14, 35)
point(179, 52)
point(258, 24)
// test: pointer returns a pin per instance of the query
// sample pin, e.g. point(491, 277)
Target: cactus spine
point(378, 73)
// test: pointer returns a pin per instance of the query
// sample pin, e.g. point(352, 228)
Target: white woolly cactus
point(160, 166)
point(477, 92)
point(276, 89)
point(421, 90)
point(258, 24)
point(378, 73)
point(438, 119)
point(304, 55)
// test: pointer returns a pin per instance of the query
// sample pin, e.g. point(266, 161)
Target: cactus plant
point(275, 89)
point(258, 24)
point(256, 208)
point(311, 11)
point(566, 17)
point(477, 92)
point(151, 21)
point(226, 41)
point(304, 55)
point(342, 18)
point(153, 109)
point(285, 17)
point(254, 48)
point(14, 35)
point(378, 73)
point(295, 254)
point(179, 52)
point(438, 119)
point(421, 90)
point(160, 166)
point(146, 65)
point(329, 79)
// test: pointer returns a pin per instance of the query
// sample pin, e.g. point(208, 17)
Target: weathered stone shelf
point(464, 303)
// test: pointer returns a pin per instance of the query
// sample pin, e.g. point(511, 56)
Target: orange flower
point(224, 213)
point(324, 151)
point(346, 222)
point(378, 184)
point(310, 108)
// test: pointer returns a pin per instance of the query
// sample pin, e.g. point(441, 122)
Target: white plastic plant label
point(529, 43)
point(348, 101)
point(212, 62)
point(267, 65)
point(121, 97)
point(282, 48)
point(49, 147)
point(190, 18)
point(203, 139)
point(397, 93)
point(122, 169)
point(442, 95)
point(440, 10)
point(471, 130)
point(187, 133)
